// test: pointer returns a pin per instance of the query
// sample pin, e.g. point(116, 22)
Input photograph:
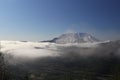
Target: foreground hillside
point(49, 61)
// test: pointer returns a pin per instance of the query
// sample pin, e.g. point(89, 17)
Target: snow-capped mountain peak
point(75, 38)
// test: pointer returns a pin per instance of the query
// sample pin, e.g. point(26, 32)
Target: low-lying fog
point(33, 50)
point(40, 49)
point(95, 60)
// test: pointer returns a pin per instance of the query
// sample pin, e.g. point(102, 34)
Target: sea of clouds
point(20, 51)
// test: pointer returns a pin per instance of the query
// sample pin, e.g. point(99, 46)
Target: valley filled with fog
point(58, 61)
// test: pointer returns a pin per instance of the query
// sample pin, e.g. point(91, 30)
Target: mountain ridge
point(75, 37)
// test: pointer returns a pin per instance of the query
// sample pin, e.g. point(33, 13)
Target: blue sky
point(44, 19)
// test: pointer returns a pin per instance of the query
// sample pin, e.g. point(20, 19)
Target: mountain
point(74, 38)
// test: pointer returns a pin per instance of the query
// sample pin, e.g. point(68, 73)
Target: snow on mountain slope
point(75, 38)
